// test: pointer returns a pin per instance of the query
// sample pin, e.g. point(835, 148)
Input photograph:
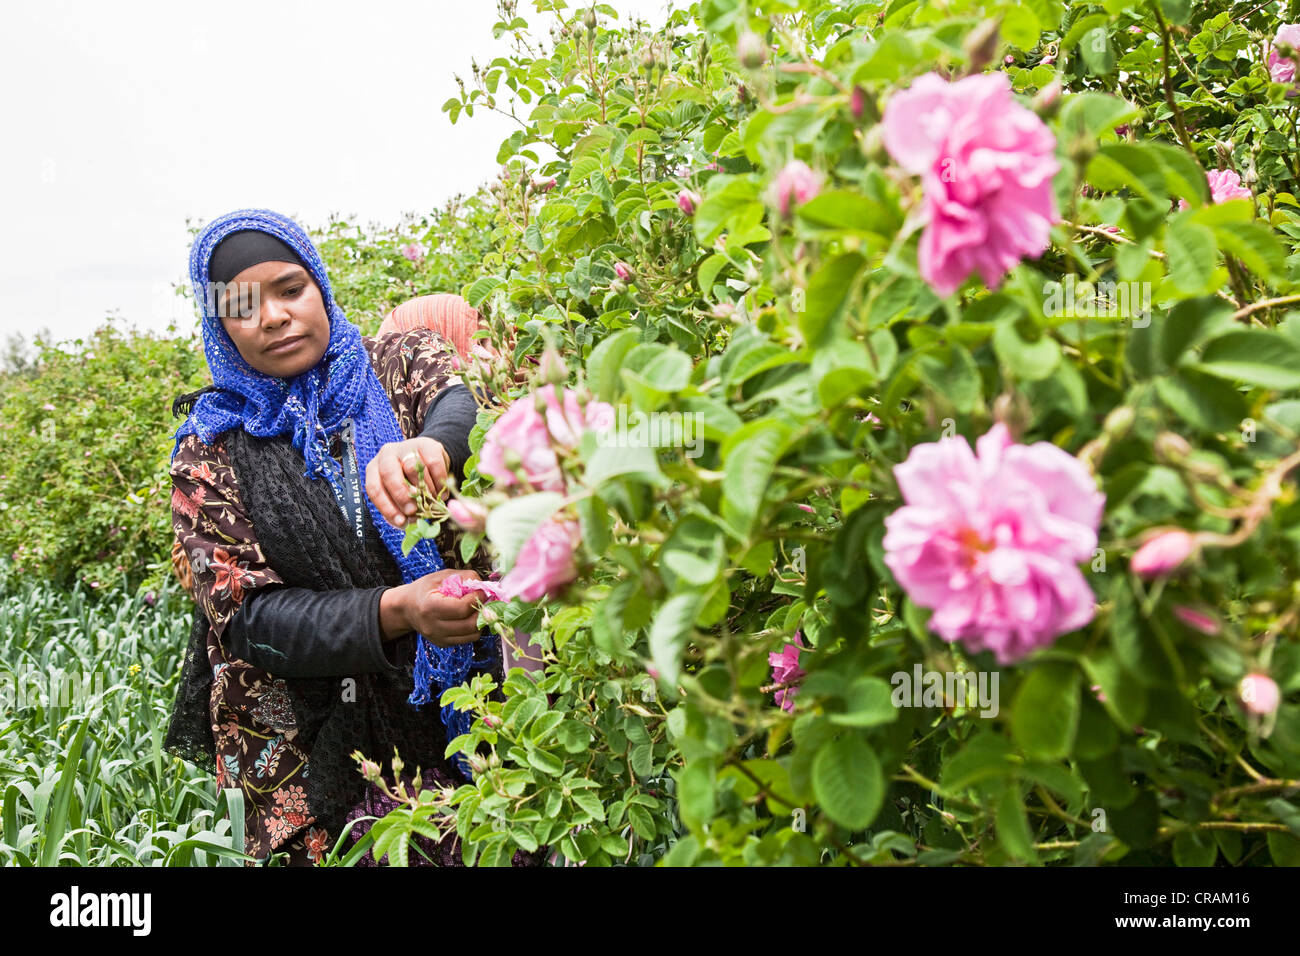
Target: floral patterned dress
point(253, 723)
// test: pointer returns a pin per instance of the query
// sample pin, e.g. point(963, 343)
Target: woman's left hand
point(391, 476)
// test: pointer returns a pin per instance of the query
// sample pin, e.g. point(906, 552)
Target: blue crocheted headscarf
point(314, 406)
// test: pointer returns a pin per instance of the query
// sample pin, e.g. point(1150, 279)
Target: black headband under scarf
point(245, 248)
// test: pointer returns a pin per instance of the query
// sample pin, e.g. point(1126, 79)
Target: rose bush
point(865, 241)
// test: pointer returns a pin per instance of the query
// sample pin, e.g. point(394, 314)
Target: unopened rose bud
point(370, 770)
point(751, 50)
point(1171, 448)
point(553, 371)
point(543, 185)
point(468, 513)
point(688, 201)
point(1163, 553)
point(492, 720)
point(476, 763)
point(1259, 694)
point(618, 287)
point(981, 46)
point(1119, 421)
point(417, 783)
point(858, 103)
point(1008, 59)
point(873, 145)
point(623, 271)
point(1198, 620)
point(589, 20)
point(1048, 100)
point(397, 764)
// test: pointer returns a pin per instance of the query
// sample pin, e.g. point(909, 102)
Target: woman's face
point(274, 313)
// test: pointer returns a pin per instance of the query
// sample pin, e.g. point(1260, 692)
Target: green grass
point(84, 779)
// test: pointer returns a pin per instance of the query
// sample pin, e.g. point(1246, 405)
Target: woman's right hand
point(417, 606)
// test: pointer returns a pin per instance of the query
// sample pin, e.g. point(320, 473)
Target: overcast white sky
point(121, 120)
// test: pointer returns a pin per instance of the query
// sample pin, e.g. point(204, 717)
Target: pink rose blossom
point(986, 165)
point(796, 182)
point(1282, 69)
point(991, 541)
point(786, 670)
point(688, 201)
point(469, 513)
point(528, 436)
point(413, 253)
point(456, 586)
point(1198, 620)
point(1163, 553)
point(1259, 694)
point(1225, 184)
point(545, 563)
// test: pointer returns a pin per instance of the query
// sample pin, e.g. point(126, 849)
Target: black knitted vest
point(309, 543)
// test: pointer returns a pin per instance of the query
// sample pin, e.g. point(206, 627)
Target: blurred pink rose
point(545, 563)
point(413, 253)
point(526, 436)
point(785, 669)
point(796, 182)
point(1259, 694)
point(986, 165)
point(469, 513)
point(623, 270)
point(1225, 184)
point(991, 541)
point(1163, 553)
point(688, 201)
point(1282, 69)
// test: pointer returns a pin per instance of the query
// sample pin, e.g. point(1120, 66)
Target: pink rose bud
point(1098, 693)
point(808, 508)
point(1259, 694)
point(1048, 98)
point(1163, 553)
point(543, 185)
point(1198, 620)
point(796, 182)
point(688, 201)
point(469, 513)
point(492, 720)
point(370, 770)
point(1135, 29)
point(623, 271)
point(1008, 59)
point(858, 103)
point(652, 671)
point(1048, 60)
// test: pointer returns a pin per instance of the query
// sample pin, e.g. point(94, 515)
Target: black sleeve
point(449, 420)
point(298, 632)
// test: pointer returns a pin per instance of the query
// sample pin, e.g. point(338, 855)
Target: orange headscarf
point(449, 315)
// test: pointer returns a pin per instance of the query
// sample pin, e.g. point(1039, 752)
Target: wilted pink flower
point(456, 586)
point(786, 670)
point(796, 182)
point(1225, 184)
point(688, 201)
point(1201, 621)
point(1123, 130)
point(1282, 69)
point(623, 270)
point(525, 435)
point(413, 252)
point(1259, 694)
point(986, 165)
point(1163, 553)
point(991, 541)
point(545, 563)
point(469, 513)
